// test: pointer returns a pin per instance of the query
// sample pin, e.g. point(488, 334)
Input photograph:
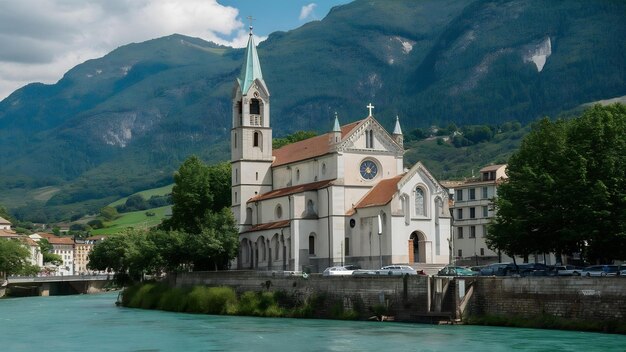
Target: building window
point(347, 247)
point(459, 232)
point(255, 139)
point(484, 230)
point(472, 233)
point(485, 212)
point(236, 175)
point(235, 141)
point(420, 209)
point(235, 197)
point(472, 193)
point(459, 214)
point(255, 107)
point(297, 174)
point(256, 175)
point(485, 193)
point(460, 253)
point(279, 211)
point(472, 213)
point(311, 245)
point(459, 194)
point(369, 139)
point(482, 251)
point(323, 169)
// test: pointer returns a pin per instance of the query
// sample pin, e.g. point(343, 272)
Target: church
point(343, 197)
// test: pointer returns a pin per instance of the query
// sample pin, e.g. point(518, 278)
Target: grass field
point(161, 191)
point(136, 220)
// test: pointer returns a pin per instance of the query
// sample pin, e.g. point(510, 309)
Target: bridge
point(54, 285)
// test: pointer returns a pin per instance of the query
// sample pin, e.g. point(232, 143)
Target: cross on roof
point(251, 19)
point(370, 107)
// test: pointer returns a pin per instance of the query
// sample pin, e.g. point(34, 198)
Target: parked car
point(600, 270)
point(534, 269)
point(338, 271)
point(456, 271)
point(567, 270)
point(399, 270)
point(498, 269)
point(622, 271)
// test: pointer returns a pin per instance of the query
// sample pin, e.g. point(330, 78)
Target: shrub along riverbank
point(224, 301)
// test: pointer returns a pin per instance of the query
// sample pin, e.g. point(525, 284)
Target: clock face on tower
point(368, 169)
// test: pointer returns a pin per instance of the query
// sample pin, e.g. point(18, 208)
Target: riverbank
point(277, 303)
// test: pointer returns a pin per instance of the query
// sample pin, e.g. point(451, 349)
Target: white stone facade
point(317, 202)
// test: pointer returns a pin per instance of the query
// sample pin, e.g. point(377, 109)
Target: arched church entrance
point(417, 247)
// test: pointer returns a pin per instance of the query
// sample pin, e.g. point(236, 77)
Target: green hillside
point(122, 123)
point(136, 220)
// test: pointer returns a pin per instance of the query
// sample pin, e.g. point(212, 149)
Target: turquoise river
point(93, 323)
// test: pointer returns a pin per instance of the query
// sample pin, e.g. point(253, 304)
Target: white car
point(398, 270)
point(600, 270)
point(337, 271)
point(567, 270)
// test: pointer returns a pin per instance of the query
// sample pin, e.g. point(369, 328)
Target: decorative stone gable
point(384, 142)
point(419, 167)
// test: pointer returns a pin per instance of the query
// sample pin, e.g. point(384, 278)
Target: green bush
point(211, 300)
point(173, 300)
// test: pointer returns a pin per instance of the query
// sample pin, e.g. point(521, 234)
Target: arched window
point(255, 107)
point(235, 141)
point(323, 168)
point(420, 209)
point(236, 175)
point(371, 138)
point(310, 208)
point(297, 174)
point(311, 244)
point(279, 211)
point(255, 139)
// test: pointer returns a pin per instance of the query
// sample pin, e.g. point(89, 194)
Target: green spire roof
point(251, 68)
point(397, 129)
point(336, 127)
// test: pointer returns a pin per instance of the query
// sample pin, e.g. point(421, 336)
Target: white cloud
point(307, 11)
point(43, 39)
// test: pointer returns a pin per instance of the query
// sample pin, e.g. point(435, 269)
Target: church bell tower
point(251, 136)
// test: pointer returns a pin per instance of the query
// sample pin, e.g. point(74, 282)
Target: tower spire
point(251, 68)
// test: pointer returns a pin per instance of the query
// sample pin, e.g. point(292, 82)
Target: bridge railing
point(35, 279)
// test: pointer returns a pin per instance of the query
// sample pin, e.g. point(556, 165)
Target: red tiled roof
point(8, 234)
point(308, 148)
point(281, 192)
point(61, 240)
point(269, 226)
point(47, 236)
point(380, 194)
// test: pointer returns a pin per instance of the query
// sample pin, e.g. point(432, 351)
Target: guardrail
point(36, 279)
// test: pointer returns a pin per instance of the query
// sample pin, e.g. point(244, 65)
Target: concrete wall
point(416, 297)
point(572, 298)
point(405, 296)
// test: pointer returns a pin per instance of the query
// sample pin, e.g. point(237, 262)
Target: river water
point(94, 323)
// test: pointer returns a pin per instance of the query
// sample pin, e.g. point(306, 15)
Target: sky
point(40, 40)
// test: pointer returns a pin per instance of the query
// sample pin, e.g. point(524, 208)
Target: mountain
point(124, 122)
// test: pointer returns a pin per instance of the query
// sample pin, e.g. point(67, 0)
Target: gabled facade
point(317, 202)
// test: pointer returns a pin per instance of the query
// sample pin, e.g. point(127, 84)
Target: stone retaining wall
point(568, 297)
point(413, 297)
point(404, 296)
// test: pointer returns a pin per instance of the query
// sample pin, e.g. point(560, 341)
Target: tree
point(5, 214)
point(295, 137)
point(192, 197)
point(566, 189)
point(46, 251)
point(15, 258)
point(109, 213)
